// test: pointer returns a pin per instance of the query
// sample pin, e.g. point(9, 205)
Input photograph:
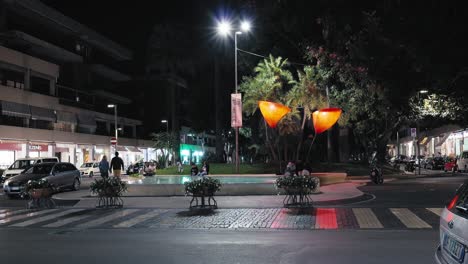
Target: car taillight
point(453, 202)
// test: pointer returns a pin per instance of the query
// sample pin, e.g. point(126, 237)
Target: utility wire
point(266, 57)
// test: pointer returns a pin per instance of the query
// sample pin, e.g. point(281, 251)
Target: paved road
point(216, 246)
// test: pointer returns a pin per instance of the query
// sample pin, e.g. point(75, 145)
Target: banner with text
point(236, 110)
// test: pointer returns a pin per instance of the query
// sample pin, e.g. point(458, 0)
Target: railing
point(74, 97)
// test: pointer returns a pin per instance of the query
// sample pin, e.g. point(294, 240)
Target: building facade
point(57, 78)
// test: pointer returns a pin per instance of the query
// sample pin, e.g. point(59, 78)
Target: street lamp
point(418, 132)
point(167, 125)
point(115, 124)
point(224, 28)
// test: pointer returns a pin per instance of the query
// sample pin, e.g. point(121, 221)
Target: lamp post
point(115, 123)
point(224, 28)
point(167, 125)
point(417, 135)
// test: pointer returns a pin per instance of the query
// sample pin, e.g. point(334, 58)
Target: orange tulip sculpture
point(325, 118)
point(273, 112)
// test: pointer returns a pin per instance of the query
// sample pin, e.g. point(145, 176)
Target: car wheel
point(76, 184)
point(91, 174)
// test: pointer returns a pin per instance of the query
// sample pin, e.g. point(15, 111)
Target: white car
point(462, 162)
point(89, 169)
point(21, 164)
point(454, 230)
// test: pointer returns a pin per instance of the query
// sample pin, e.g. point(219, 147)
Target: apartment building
point(57, 78)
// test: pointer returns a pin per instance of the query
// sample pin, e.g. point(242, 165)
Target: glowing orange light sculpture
point(325, 118)
point(273, 112)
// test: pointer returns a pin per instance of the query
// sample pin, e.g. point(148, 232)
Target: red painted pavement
point(326, 218)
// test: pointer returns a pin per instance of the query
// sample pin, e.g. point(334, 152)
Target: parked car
point(135, 168)
point(399, 159)
point(61, 175)
point(450, 165)
point(22, 164)
point(89, 169)
point(463, 162)
point(435, 163)
point(453, 229)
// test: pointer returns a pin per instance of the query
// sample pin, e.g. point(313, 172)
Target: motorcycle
point(375, 173)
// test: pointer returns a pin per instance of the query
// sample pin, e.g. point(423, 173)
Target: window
point(13, 121)
point(465, 155)
point(40, 85)
point(12, 78)
point(40, 169)
point(21, 164)
point(49, 160)
point(101, 128)
point(69, 167)
point(41, 124)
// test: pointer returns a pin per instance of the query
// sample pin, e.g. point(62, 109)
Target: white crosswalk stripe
point(108, 218)
point(408, 218)
point(67, 221)
point(24, 216)
point(139, 219)
point(437, 211)
point(366, 218)
point(45, 218)
point(14, 212)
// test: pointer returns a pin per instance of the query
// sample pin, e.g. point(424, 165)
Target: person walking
point(104, 167)
point(116, 165)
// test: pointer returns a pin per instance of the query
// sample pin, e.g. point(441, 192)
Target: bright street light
point(245, 26)
point(424, 91)
point(224, 28)
point(163, 121)
point(110, 106)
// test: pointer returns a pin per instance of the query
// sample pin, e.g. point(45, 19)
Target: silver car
point(453, 246)
point(61, 175)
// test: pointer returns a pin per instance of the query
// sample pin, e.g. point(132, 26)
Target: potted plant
point(205, 187)
point(37, 189)
point(109, 191)
point(297, 189)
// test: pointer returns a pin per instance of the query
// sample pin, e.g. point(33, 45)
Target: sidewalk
point(336, 193)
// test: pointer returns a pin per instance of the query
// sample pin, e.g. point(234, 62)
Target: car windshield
point(21, 164)
point(87, 165)
point(40, 169)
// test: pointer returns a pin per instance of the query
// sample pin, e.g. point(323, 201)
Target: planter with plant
point(109, 191)
point(203, 188)
point(297, 190)
point(40, 193)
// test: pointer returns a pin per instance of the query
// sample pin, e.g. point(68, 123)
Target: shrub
point(206, 186)
point(108, 187)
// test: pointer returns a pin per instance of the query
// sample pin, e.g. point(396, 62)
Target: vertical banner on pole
point(236, 110)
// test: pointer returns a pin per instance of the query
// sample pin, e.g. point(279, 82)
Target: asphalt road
point(159, 245)
point(216, 246)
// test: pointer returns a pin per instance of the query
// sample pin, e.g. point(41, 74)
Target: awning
point(133, 149)
point(15, 109)
point(442, 139)
point(121, 148)
point(42, 113)
point(86, 120)
point(66, 117)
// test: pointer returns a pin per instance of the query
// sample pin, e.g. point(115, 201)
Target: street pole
point(116, 127)
point(235, 73)
point(417, 142)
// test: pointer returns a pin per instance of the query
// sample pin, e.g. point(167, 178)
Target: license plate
point(454, 248)
point(14, 188)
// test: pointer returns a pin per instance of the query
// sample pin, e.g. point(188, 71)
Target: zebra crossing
point(271, 218)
